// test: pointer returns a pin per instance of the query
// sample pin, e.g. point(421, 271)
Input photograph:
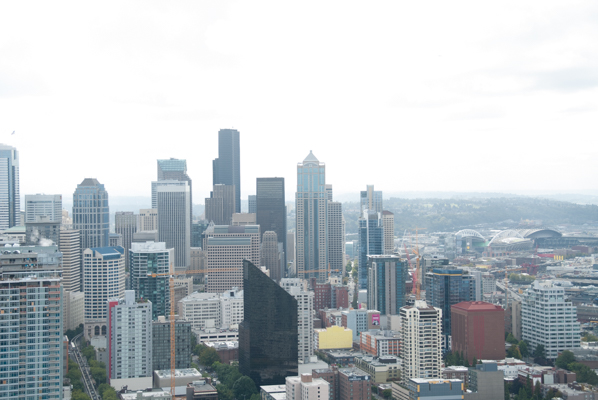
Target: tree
point(208, 356)
point(224, 393)
point(387, 393)
point(474, 362)
point(79, 395)
point(539, 351)
point(523, 348)
point(255, 396)
point(514, 352)
point(564, 359)
point(511, 339)
point(349, 267)
point(590, 338)
point(244, 388)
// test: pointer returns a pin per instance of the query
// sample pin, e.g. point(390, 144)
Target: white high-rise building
point(103, 279)
point(548, 319)
point(174, 219)
point(212, 310)
point(10, 198)
point(421, 330)
point(43, 205)
point(336, 237)
point(305, 387)
point(70, 247)
point(388, 222)
point(147, 220)
point(305, 317)
point(129, 337)
point(311, 203)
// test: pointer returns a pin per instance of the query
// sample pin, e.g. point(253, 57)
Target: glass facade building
point(268, 335)
point(271, 211)
point(91, 214)
point(161, 344)
point(10, 198)
point(386, 283)
point(226, 168)
point(371, 242)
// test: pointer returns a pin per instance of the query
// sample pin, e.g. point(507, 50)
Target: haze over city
point(459, 96)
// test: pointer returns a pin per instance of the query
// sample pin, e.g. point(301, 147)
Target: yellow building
point(334, 337)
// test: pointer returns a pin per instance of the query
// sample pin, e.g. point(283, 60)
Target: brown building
point(478, 330)
point(346, 383)
point(327, 295)
point(201, 390)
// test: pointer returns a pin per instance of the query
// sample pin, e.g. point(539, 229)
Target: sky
point(408, 96)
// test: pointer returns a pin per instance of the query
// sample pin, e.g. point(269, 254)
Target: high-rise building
point(427, 264)
point(270, 255)
point(386, 283)
point(486, 382)
point(42, 231)
point(148, 219)
point(197, 233)
point(388, 221)
point(478, 330)
point(175, 170)
point(252, 204)
point(161, 344)
point(174, 219)
point(147, 259)
point(305, 317)
point(336, 237)
point(271, 211)
point(48, 206)
point(311, 203)
point(125, 224)
point(421, 329)
point(103, 279)
point(70, 247)
point(305, 387)
point(10, 197)
point(31, 324)
point(268, 345)
point(129, 337)
point(548, 319)
point(213, 310)
point(371, 199)
point(220, 206)
point(371, 242)
point(227, 167)
point(91, 214)
point(446, 287)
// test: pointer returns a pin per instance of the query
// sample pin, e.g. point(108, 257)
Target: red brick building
point(478, 330)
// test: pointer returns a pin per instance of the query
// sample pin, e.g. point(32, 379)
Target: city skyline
point(487, 92)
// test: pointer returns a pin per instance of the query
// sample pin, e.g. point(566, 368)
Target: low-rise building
point(182, 377)
point(145, 394)
point(201, 389)
point(305, 387)
point(429, 389)
point(380, 343)
point(334, 337)
point(381, 369)
point(486, 382)
point(273, 392)
point(227, 351)
point(455, 372)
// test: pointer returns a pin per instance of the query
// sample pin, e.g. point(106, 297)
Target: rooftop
point(178, 373)
point(477, 306)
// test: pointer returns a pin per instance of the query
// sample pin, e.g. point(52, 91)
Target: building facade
point(91, 214)
point(305, 387)
point(270, 255)
point(10, 195)
point(388, 221)
point(336, 237)
point(371, 199)
point(125, 224)
point(387, 275)
point(311, 208)
point(305, 317)
point(227, 167)
point(220, 206)
point(271, 211)
point(371, 242)
point(174, 219)
point(43, 205)
point(147, 220)
point(161, 344)
point(70, 247)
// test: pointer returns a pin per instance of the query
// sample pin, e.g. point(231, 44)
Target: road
point(512, 295)
point(85, 373)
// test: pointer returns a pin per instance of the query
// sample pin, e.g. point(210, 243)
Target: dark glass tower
point(271, 211)
point(227, 167)
point(268, 336)
point(91, 214)
point(371, 242)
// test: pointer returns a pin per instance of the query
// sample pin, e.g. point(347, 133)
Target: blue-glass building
point(91, 214)
point(386, 283)
point(371, 242)
point(226, 169)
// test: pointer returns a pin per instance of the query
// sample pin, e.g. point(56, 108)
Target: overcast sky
point(411, 95)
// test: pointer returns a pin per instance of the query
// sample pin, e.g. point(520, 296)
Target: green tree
point(539, 351)
point(523, 348)
point(564, 359)
point(514, 352)
point(511, 339)
point(224, 393)
point(244, 388)
point(584, 373)
point(255, 396)
point(98, 374)
point(349, 267)
point(590, 338)
point(79, 395)
point(208, 356)
point(522, 394)
point(474, 362)
point(387, 393)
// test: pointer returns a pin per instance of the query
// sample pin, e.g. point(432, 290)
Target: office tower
point(547, 318)
point(70, 247)
point(91, 214)
point(421, 329)
point(103, 279)
point(227, 167)
point(270, 256)
point(213, 310)
point(43, 231)
point(243, 219)
point(305, 317)
point(115, 239)
point(43, 205)
point(31, 323)
point(271, 210)
point(147, 220)
point(388, 221)
point(486, 382)
point(306, 387)
point(336, 237)
point(129, 337)
point(147, 259)
point(10, 197)
point(513, 319)
point(172, 170)
point(446, 287)
point(161, 344)
point(227, 246)
point(329, 195)
point(174, 219)
point(428, 263)
point(197, 233)
point(125, 224)
point(371, 242)
point(252, 204)
point(371, 199)
point(478, 330)
point(268, 334)
point(312, 226)
point(220, 206)
point(73, 307)
point(386, 283)
point(291, 247)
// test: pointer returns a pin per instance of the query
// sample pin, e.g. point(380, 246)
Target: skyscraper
point(420, 349)
point(271, 211)
point(336, 236)
point(31, 324)
point(388, 221)
point(171, 169)
point(371, 199)
point(305, 316)
point(311, 202)
point(91, 214)
point(371, 242)
point(270, 255)
point(174, 220)
point(268, 346)
point(386, 283)
point(70, 247)
point(125, 224)
point(103, 279)
point(220, 206)
point(10, 198)
point(251, 204)
point(148, 219)
point(48, 206)
point(227, 167)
